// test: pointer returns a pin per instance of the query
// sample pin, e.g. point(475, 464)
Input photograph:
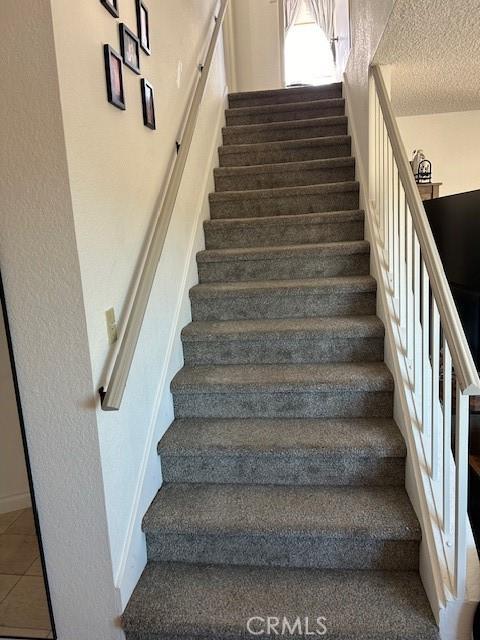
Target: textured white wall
point(14, 491)
point(257, 44)
point(117, 170)
point(39, 263)
point(452, 142)
point(368, 21)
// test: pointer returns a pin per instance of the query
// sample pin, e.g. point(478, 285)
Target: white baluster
point(447, 439)
point(395, 248)
point(426, 366)
point(402, 272)
point(409, 325)
point(461, 491)
point(436, 423)
point(417, 349)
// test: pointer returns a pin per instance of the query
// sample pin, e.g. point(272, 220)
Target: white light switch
point(112, 332)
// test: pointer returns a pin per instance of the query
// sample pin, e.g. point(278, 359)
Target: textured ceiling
point(434, 47)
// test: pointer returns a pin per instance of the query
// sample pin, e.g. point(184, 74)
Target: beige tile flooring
point(23, 603)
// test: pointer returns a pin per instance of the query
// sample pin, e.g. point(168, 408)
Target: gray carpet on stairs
point(198, 602)
point(285, 112)
point(283, 470)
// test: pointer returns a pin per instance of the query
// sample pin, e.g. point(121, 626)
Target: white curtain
point(292, 9)
point(324, 14)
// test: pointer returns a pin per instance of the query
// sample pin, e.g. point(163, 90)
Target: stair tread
point(340, 284)
point(373, 437)
point(330, 327)
point(284, 192)
point(193, 601)
point(304, 165)
point(287, 106)
point(333, 217)
point(280, 378)
point(286, 124)
point(288, 91)
point(289, 251)
point(285, 144)
point(339, 512)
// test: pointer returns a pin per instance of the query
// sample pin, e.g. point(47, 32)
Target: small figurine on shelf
point(421, 167)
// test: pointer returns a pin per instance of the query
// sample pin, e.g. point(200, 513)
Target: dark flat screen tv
point(455, 223)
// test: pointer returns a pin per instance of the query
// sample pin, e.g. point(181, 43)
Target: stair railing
point(440, 369)
point(112, 393)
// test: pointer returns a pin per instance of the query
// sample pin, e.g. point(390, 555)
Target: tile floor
point(23, 603)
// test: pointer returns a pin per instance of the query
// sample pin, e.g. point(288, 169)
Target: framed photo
point(111, 6)
point(148, 104)
point(143, 26)
point(114, 77)
point(130, 48)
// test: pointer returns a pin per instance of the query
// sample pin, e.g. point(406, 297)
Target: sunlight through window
point(308, 56)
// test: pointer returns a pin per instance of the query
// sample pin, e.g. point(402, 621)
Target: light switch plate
point(112, 331)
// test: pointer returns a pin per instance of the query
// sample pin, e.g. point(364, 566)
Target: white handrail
point(466, 372)
point(112, 393)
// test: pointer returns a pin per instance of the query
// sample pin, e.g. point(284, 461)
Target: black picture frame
point(148, 103)
point(143, 26)
point(111, 6)
point(129, 42)
point(114, 77)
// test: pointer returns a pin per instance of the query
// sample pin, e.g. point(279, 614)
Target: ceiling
point(434, 47)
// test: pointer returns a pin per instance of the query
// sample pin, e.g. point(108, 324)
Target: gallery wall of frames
point(132, 45)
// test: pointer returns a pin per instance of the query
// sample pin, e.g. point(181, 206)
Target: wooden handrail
point(466, 372)
point(112, 394)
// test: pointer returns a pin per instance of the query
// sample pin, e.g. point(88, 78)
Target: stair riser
point(278, 134)
point(234, 119)
point(289, 350)
point(296, 153)
point(284, 405)
point(284, 97)
point(284, 268)
point(294, 550)
point(284, 205)
point(284, 305)
point(289, 468)
point(230, 237)
point(284, 178)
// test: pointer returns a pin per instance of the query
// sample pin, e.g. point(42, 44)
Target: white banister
point(112, 392)
point(466, 373)
point(439, 369)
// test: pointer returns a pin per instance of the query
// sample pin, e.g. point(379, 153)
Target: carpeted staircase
point(283, 472)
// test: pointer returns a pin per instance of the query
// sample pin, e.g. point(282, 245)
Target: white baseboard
point(15, 502)
point(134, 556)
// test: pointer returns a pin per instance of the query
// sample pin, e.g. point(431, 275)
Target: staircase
point(283, 472)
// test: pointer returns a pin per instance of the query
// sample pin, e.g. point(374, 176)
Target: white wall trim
point(129, 570)
point(15, 502)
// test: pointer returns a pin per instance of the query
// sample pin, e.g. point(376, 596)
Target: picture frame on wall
point(114, 77)
point(143, 26)
point(148, 102)
point(111, 6)
point(130, 47)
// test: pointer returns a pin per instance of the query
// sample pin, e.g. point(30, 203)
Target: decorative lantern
point(421, 167)
point(424, 174)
